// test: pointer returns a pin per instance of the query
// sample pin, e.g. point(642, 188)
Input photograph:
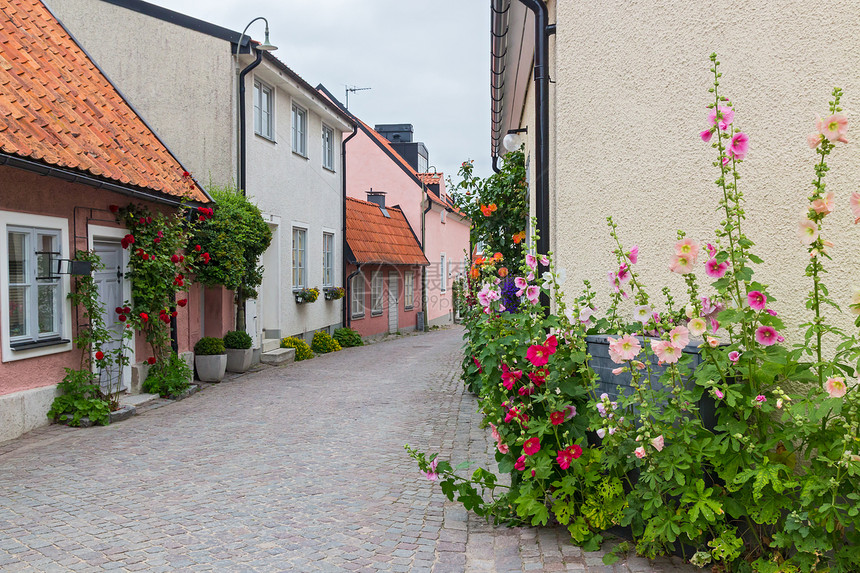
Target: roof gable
point(374, 238)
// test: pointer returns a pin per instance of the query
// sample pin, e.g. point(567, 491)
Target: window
point(443, 271)
point(442, 216)
point(328, 259)
point(34, 290)
point(357, 296)
point(376, 293)
point(328, 147)
point(263, 110)
point(408, 290)
point(300, 131)
point(300, 258)
point(422, 164)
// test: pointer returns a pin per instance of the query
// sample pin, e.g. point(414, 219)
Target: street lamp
point(265, 46)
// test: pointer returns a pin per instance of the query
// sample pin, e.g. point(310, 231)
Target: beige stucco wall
point(180, 81)
point(629, 101)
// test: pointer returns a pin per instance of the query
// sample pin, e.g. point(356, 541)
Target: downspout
point(496, 164)
point(242, 137)
point(346, 315)
point(424, 250)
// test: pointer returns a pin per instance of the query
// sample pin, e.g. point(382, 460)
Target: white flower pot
point(211, 368)
point(239, 359)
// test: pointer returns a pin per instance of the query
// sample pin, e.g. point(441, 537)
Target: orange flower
point(475, 272)
point(498, 257)
point(519, 237)
point(479, 260)
point(503, 272)
point(493, 207)
point(486, 211)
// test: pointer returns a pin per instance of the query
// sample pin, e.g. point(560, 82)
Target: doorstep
point(136, 399)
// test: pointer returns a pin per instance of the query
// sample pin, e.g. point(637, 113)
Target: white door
point(393, 301)
point(109, 281)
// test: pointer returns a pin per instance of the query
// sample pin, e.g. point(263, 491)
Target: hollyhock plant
point(626, 347)
point(687, 248)
point(658, 443)
point(510, 377)
point(640, 452)
point(766, 335)
point(633, 255)
point(836, 387)
point(697, 326)
point(679, 337)
point(557, 418)
point(682, 264)
point(665, 352)
point(734, 356)
point(726, 116)
point(834, 128)
point(824, 206)
point(739, 146)
point(807, 231)
point(531, 261)
point(716, 269)
point(531, 446)
point(756, 300)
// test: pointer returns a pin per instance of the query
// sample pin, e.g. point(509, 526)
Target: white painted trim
point(15, 219)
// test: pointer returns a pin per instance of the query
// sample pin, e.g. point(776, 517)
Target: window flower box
point(334, 293)
point(306, 295)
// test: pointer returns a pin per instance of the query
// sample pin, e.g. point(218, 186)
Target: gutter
point(346, 315)
point(242, 134)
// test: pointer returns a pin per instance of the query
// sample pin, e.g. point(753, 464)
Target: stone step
point(279, 356)
point(270, 344)
point(136, 399)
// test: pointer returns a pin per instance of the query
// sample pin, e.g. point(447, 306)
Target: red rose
point(156, 240)
point(114, 208)
point(181, 258)
point(149, 219)
point(174, 313)
point(142, 221)
point(164, 318)
point(126, 309)
point(180, 276)
point(182, 302)
point(122, 318)
point(186, 174)
point(144, 317)
point(151, 359)
point(118, 310)
point(198, 248)
point(205, 257)
point(174, 259)
point(100, 355)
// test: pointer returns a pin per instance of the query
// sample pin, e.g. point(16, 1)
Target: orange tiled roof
point(374, 238)
point(57, 108)
point(430, 178)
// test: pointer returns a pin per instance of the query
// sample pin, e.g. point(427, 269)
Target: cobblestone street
point(299, 468)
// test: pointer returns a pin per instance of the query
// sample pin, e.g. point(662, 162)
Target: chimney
point(377, 197)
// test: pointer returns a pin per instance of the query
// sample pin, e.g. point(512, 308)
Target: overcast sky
point(427, 61)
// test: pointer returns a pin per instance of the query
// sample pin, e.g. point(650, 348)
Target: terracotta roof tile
point(58, 108)
point(374, 238)
point(430, 178)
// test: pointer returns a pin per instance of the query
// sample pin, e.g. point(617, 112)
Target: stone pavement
point(298, 468)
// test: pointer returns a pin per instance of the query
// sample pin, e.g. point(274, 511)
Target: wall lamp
point(513, 140)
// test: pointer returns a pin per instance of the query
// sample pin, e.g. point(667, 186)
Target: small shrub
point(323, 343)
point(81, 398)
point(169, 378)
point(348, 337)
point(237, 339)
point(209, 346)
point(303, 351)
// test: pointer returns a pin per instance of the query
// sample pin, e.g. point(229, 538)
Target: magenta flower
point(726, 116)
point(719, 393)
point(531, 446)
point(569, 412)
point(739, 145)
point(835, 386)
point(533, 293)
point(715, 269)
point(706, 135)
point(521, 284)
point(509, 377)
point(544, 261)
point(531, 261)
point(712, 250)
point(432, 475)
point(766, 335)
point(521, 464)
point(538, 354)
point(624, 273)
point(760, 399)
point(734, 356)
point(557, 418)
point(614, 282)
point(757, 300)
point(633, 255)
point(567, 455)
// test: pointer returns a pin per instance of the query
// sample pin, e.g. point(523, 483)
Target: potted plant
point(238, 345)
point(306, 295)
point(210, 359)
point(334, 293)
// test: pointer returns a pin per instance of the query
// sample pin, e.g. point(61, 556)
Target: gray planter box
point(211, 368)
point(239, 360)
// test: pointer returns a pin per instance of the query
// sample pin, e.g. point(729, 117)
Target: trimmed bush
point(303, 351)
point(347, 337)
point(323, 343)
point(237, 339)
point(209, 346)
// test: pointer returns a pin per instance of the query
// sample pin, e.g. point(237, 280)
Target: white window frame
point(264, 128)
point(443, 272)
point(357, 296)
point(408, 290)
point(10, 221)
point(300, 130)
point(300, 258)
point(377, 293)
point(328, 259)
point(327, 147)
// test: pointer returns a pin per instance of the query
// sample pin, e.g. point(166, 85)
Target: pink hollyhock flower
point(726, 115)
point(824, 206)
point(585, 314)
point(665, 352)
point(569, 412)
point(502, 447)
point(556, 418)
point(633, 255)
point(564, 458)
point(640, 452)
point(687, 247)
point(658, 443)
point(697, 326)
point(807, 231)
point(706, 135)
point(510, 377)
point(533, 293)
point(719, 393)
point(712, 250)
point(642, 313)
point(739, 145)
point(531, 261)
point(814, 140)
point(495, 432)
point(530, 277)
point(734, 356)
point(531, 446)
point(601, 433)
point(855, 206)
point(759, 400)
point(757, 300)
point(626, 347)
point(521, 464)
point(544, 261)
point(836, 387)
point(679, 337)
point(681, 264)
point(483, 296)
point(521, 284)
point(614, 282)
point(715, 269)
point(538, 355)
point(834, 128)
point(619, 370)
point(766, 335)
point(432, 475)
point(712, 342)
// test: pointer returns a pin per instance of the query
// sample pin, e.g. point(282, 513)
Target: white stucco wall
point(180, 81)
point(629, 101)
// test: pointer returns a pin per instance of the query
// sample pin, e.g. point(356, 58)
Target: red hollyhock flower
point(564, 458)
point(478, 364)
point(151, 360)
point(551, 343)
point(144, 317)
point(114, 208)
point(538, 355)
point(149, 219)
point(142, 221)
point(557, 418)
point(174, 259)
point(575, 450)
point(531, 446)
point(510, 377)
point(182, 302)
point(156, 240)
point(181, 258)
point(521, 463)
point(100, 355)
point(539, 377)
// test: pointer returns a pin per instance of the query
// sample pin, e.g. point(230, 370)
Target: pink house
point(390, 163)
point(70, 147)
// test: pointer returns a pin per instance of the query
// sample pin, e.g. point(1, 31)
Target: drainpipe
point(424, 250)
point(242, 136)
point(348, 297)
point(496, 164)
point(346, 315)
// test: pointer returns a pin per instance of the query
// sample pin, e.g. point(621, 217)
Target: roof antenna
point(352, 89)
